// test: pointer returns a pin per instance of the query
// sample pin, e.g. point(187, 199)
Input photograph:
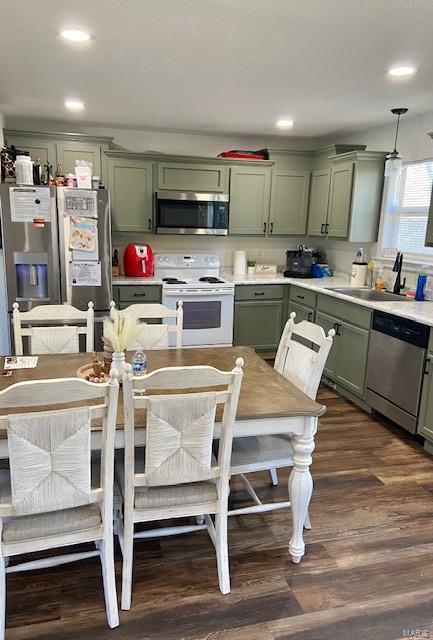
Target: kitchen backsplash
point(340, 254)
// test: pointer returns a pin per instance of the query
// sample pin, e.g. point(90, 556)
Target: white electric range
point(208, 300)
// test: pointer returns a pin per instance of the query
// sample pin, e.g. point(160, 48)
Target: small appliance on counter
point(138, 261)
point(299, 263)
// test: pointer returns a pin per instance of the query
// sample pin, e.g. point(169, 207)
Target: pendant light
point(393, 159)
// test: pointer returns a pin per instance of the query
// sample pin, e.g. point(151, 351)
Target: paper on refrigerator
point(30, 203)
point(82, 233)
point(84, 274)
point(80, 202)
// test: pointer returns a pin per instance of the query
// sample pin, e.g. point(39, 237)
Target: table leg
point(300, 490)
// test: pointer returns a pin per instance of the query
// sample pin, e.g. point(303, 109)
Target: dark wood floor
point(368, 571)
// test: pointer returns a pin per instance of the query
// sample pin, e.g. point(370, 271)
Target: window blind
point(408, 207)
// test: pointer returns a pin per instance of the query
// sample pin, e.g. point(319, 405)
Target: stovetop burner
point(211, 279)
point(173, 281)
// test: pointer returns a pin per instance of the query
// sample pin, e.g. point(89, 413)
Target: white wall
point(168, 141)
point(1, 130)
point(412, 137)
point(413, 142)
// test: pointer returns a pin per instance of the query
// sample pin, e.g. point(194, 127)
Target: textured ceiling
point(232, 66)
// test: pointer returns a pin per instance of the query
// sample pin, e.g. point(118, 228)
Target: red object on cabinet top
point(138, 261)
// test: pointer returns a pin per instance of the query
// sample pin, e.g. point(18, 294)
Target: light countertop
point(419, 311)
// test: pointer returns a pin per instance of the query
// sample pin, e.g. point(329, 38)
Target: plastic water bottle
point(139, 363)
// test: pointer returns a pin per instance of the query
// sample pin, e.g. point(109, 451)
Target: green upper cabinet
point(36, 147)
point(346, 194)
point(181, 176)
point(250, 189)
point(319, 197)
point(131, 185)
point(62, 148)
point(289, 202)
point(68, 152)
point(340, 198)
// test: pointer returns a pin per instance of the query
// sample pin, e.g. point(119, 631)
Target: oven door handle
point(176, 293)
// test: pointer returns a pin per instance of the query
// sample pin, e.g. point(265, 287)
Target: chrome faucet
point(397, 269)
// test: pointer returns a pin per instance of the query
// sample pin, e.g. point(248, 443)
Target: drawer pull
point(264, 227)
point(272, 227)
point(259, 293)
point(300, 297)
point(310, 316)
point(139, 295)
point(150, 224)
point(337, 327)
point(326, 228)
point(322, 228)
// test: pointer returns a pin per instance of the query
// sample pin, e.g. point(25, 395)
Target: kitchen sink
point(370, 294)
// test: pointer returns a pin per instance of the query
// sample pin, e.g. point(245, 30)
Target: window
point(407, 207)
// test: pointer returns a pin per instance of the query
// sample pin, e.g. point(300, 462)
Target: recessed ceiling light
point(284, 124)
point(74, 105)
point(400, 72)
point(75, 35)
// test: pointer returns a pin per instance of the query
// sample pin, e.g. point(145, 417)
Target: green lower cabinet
point(257, 323)
point(425, 421)
point(327, 323)
point(352, 357)
point(347, 361)
point(302, 313)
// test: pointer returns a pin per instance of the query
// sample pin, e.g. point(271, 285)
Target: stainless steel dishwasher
point(395, 368)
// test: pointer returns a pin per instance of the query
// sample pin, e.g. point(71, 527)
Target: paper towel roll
point(240, 263)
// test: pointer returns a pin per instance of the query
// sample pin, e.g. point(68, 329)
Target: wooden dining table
point(268, 404)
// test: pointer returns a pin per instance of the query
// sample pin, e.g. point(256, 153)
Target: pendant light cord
point(396, 134)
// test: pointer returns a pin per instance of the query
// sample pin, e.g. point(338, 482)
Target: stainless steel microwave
point(191, 213)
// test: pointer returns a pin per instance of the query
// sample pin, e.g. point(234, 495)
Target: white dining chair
point(55, 337)
point(153, 336)
point(302, 363)
point(176, 475)
point(51, 496)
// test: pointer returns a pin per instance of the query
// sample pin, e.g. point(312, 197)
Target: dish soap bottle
point(379, 280)
point(421, 284)
point(139, 363)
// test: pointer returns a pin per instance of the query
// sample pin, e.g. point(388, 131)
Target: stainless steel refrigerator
point(56, 246)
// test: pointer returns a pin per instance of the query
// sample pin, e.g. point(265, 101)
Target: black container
point(299, 264)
